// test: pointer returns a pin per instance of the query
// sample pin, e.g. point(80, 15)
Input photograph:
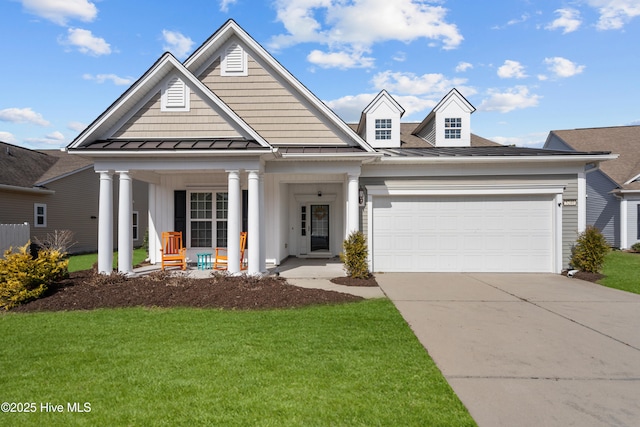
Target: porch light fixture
point(319, 193)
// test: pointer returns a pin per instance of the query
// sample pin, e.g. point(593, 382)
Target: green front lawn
point(86, 261)
point(622, 271)
point(353, 364)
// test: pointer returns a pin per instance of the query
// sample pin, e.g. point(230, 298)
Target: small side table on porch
point(205, 261)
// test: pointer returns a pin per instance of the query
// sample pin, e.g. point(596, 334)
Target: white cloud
point(342, 60)
point(61, 11)
point(116, 80)
point(569, 21)
point(86, 42)
point(22, 115)
point(511, 70)
point(562, 67)
point(523, 18)
point(354, 26)
point(427, 84)
point(614, 14)
point(177, 43)
point(224, 5)
point(349, 108)
point(8, 138)
point(463, 66)
point(533, 140)
point(76, 126)
point(55, 138)
point(514, 98)
point(400, 56)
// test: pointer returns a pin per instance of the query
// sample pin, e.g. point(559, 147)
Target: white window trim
point(185, 105)
point(214, 220)
point(36, 215)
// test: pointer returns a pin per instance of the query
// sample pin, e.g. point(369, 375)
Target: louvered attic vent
point(175, 96)
point(234, 61)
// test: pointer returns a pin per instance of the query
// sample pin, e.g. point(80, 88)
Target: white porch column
point(352, 204)
point(263, 242)
point(254, 222)
point(234, 215)
point(624, 241)
point(125, 224)
point(105, 223)
point(582, 202)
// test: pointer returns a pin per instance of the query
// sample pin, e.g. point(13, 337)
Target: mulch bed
point(585, 275)
point(350, 281)
point(87, 290)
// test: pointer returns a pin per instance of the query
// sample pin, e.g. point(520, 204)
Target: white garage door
point(462, 233)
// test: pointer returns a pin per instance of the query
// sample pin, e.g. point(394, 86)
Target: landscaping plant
point(23, 278)
point(590, 250)
point(355, 254)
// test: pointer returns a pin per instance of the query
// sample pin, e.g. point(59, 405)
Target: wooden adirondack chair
point(220, 262)
point(174, 254)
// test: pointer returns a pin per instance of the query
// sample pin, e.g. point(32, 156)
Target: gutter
point(32, 190)
point(499, 159)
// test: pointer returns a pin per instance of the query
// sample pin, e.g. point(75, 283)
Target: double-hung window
point(383, 128)
point(208, 219)
point(452, 128)
point(39, 215)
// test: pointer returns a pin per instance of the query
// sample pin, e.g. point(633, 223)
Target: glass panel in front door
point(319, 227)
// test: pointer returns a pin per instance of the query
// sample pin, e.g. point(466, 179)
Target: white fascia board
point(247, 40)
point(143, 154)
point(332, 156)
point(635, 178)
point(30, 190)
point(65, 175)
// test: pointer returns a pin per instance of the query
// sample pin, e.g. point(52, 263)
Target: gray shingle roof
point(486, 151)
point(622, 140)
point(22, 167)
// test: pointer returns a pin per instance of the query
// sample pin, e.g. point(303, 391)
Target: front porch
point(212, 201)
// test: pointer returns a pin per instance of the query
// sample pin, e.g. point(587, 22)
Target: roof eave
point(587, 158)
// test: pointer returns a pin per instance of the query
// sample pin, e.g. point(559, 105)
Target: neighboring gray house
point(52, 190)
point(229, 140)
point(613, 189)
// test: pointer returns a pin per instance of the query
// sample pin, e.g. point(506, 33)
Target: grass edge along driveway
point(352, 364)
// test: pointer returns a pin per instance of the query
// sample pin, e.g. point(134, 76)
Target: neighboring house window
point(39, 215)
point(203, 221)
point(234, 61)
point(135, 225)
point(452, 128)
point(175, 96)
point(383, 128)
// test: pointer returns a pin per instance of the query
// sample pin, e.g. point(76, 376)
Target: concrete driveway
point(528, 349)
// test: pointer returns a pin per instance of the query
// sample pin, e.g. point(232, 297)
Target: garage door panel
point(487, 233)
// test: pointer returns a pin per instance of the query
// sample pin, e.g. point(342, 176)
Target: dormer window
point(234, 61)
point(175, 96)
point(383, 129)
point(452, 128)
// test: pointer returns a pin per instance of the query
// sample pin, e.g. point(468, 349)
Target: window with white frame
point(205, 217)
point(135, 225)
point(452, 128)
point(39, 215)
point(383, 129)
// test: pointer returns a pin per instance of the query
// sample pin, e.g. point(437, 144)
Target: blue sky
point(527, 66)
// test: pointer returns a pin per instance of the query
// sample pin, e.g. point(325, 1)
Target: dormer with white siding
point(380, 122)
point(449, 123)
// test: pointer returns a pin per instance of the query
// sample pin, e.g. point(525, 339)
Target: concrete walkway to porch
point(303, 272)
point(317, 273)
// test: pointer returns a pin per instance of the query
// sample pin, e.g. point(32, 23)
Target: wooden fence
point(13, 235)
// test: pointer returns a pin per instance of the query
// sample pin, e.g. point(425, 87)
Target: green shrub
point(354, 256)
point(636, 247)
point(589, 251)
point(23, 278)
